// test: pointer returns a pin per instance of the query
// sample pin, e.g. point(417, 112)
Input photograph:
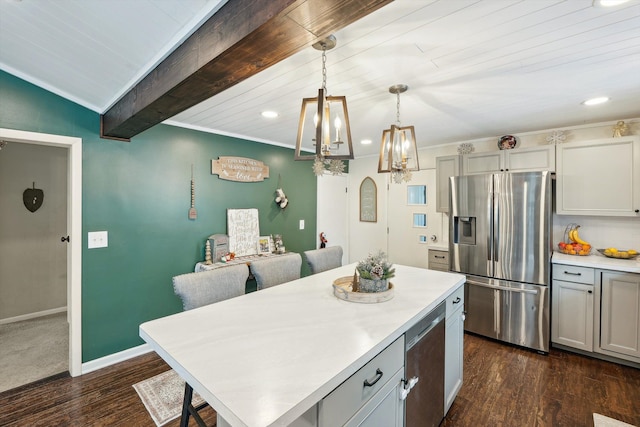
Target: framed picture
point(265, 245)
point(368, 200)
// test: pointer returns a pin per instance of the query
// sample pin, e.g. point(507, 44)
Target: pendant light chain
point(398, 108)
point(324, 71)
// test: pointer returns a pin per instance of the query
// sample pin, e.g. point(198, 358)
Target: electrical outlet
point(98, 239)
point(302, 224)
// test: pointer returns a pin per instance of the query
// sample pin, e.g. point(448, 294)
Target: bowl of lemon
point(616, 253)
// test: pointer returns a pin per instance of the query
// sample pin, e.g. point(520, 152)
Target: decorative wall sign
point(243, 229)
point(240, 169)
point(33, 198)
point(368, 200)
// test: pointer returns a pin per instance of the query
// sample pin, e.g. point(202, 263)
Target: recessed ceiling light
point(596, 101)
point(269, 114)
point(610, 3)
point(365, 142)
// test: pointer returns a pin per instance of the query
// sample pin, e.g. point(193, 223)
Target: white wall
point(601, 232)
point(33, 267)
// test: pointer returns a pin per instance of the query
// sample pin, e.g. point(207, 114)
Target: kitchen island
point(266, 358)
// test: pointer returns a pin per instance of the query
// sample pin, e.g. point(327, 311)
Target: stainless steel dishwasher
point(424, 370)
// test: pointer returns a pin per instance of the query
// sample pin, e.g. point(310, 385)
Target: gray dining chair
point(200, 289)
point(208, 287)
point(277, 269)
point(324, 259)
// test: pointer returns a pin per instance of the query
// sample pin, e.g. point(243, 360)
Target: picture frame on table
point(265, 245)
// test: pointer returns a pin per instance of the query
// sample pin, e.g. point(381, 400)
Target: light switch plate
point(302, 224)
point(98, 239)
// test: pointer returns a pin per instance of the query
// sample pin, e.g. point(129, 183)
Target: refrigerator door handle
point(503, 288)
point(496, 227)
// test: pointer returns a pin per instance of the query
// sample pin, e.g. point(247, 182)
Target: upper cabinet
point(539, 158)
point(446, 167)
point(599, 177)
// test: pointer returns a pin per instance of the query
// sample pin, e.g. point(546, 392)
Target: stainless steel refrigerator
point(500, 238)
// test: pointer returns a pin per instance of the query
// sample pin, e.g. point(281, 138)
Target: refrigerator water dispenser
point(464, 229)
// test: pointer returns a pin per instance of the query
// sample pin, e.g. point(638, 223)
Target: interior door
point(408, 236)
point(333, 212)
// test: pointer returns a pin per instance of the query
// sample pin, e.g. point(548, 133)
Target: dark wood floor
point(503, 386)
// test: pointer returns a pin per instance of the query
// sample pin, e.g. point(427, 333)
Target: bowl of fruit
point(620, 254)
point(572, 243)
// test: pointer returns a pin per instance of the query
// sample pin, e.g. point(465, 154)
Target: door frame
point(74, 230)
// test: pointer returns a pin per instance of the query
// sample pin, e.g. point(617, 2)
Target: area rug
point(602, 421)
point(162, 395)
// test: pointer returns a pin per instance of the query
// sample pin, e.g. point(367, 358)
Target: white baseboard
point(114, 358)
point(33, 315)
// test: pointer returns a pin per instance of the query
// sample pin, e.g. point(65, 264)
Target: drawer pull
point(457, 300)
point(572, 273)
point(439, 256)
point(368, 383)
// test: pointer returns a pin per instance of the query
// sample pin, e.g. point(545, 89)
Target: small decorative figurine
point(620, 129)
point(323, 240)
point(207, 254)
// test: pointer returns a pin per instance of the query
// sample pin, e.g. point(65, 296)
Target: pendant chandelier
point(398, 151)
point(324, 124)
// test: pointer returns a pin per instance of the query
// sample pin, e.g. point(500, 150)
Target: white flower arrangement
point(376, 267)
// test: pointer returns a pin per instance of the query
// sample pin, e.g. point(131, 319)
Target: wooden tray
point(342, 289)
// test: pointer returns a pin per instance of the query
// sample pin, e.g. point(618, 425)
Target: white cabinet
point(446, 167)
point(383, 409)
point(538, 158)
point(454, 347)
point(572, 308)
point(370, 394)
point(599, 177)
point(438, 259)
point(620, 314)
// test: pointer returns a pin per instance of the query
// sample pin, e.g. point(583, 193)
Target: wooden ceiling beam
point(243, 38)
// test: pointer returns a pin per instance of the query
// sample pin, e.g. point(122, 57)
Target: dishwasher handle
point(413, 340)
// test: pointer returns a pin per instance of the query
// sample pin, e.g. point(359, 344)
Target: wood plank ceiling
point(475, 68)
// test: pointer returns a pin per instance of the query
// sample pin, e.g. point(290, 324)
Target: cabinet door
point(620, 313)
point(541, 158)
point(383, 409)
point(600, 177)
point(572, 315)
point(446, 167)
point(454, 346)
point(480, 163)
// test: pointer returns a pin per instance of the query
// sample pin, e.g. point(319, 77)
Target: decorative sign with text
point(239, 169)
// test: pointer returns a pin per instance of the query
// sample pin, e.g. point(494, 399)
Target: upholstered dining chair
point(275, 270)
point(204, 288)
point(324, 259)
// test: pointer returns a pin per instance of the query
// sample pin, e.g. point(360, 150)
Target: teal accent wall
point(140, 193)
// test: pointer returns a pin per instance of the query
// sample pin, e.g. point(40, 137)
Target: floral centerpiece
point(375, 272)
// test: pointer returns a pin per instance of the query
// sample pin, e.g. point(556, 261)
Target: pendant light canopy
point(324, 124)
point(398, 151)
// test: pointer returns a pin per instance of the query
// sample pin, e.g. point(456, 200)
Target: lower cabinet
point(620, 314)
point(572, 314)
point(438, 259)
point(369, 395)
point(454, 347)
point(596, 311)
point(384, 408)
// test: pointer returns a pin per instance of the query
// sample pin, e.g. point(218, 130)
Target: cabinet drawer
point(455, 301)
point(438, 260)
point(572, 273)
point(343, 402)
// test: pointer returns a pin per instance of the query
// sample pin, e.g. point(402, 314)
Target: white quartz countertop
point(597, 260)
point(265, 358)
